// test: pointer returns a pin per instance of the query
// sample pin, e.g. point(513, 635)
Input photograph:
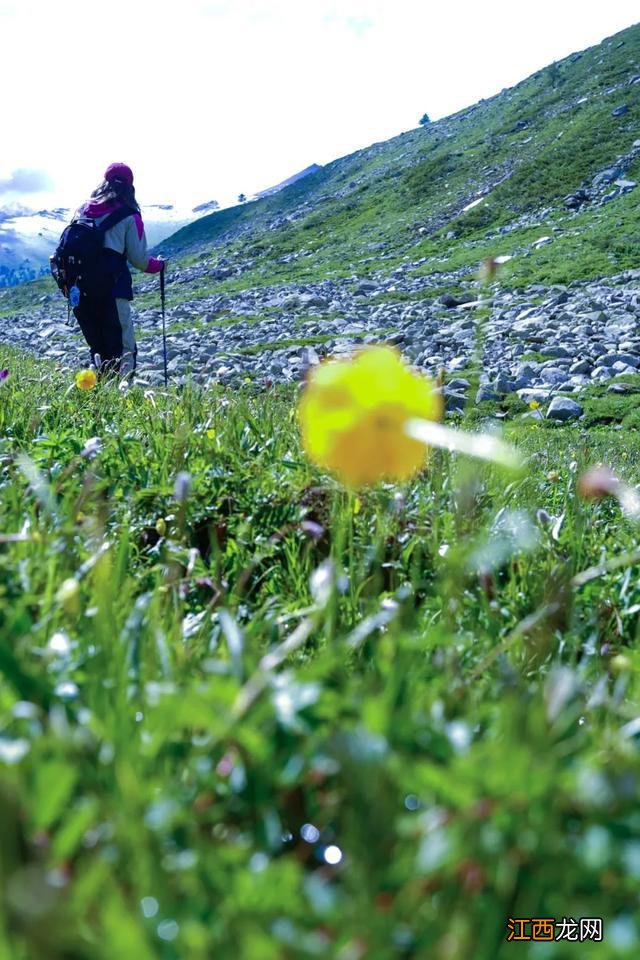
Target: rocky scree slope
point(385, 245)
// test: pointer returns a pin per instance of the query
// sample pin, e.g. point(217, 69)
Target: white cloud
point(207, 98)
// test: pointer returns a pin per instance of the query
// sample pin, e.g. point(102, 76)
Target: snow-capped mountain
point(27, 239)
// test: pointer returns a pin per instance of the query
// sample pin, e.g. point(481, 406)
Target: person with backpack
point(91, 268)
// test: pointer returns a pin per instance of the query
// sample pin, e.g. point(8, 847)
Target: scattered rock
point(577, 199)
point(563, 408)
point(569, 337)
point(454, 402)
point(607, 176)
point(627, 359)
point(620, 111)
point(309, 357)
point(620, 388)
point(581, 366)
point(366, 287)
point(449, 301)
point(486, 393)
point(529, 395)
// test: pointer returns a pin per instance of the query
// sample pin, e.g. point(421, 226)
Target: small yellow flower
point(621, 664)
point(357, 506)
point(211, 433)
point(86, 379)
point(533, 405)
point(353, 414)
point(68, 595)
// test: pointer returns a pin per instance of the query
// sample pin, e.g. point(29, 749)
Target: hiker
point(103, 309)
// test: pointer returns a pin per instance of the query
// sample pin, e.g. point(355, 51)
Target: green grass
point(25, 296)
point(200, 325)
point(267, 345)
point(449, 708)
point(601, 407)
point(534, 355)
point(310, 341)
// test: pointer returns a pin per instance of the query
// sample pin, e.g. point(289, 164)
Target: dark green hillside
point(524, 150)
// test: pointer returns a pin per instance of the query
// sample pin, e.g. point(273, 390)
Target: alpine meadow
point(328, 645)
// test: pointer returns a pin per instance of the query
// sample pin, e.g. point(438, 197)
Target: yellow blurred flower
point(86, 379)
point(533, 405)
point(621, 664)
point(68, 595)
point(353, 415)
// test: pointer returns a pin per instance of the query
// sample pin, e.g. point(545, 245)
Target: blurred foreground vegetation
point(247, 714)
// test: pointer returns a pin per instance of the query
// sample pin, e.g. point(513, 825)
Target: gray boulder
point(448, 300)
point(580, 366)
point(629, 359)
point(486, 393)
point(563, 408)
point(539, 394)
point(502, 384)
point(626, 185)
point(607, 176)
point(556, 351)
point(454, 402)
point(576, 199)
point(309, 357)
point(552, 375)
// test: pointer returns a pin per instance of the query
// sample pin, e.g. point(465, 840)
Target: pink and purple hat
point(119, 171)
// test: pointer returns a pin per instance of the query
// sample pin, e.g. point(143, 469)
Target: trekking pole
point(164, 327)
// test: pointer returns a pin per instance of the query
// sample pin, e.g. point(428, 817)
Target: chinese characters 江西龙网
point(547, 928)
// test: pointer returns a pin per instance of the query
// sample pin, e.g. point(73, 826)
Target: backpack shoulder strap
point(116, 217)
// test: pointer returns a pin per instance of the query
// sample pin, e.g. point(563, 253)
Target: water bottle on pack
point(74, 295)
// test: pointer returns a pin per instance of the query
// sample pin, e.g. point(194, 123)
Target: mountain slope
point(518, 155)
point(313, 168)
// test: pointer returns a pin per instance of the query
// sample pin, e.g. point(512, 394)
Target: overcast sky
point(208, 98)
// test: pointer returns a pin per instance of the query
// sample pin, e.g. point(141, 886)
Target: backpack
point(81, 259)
